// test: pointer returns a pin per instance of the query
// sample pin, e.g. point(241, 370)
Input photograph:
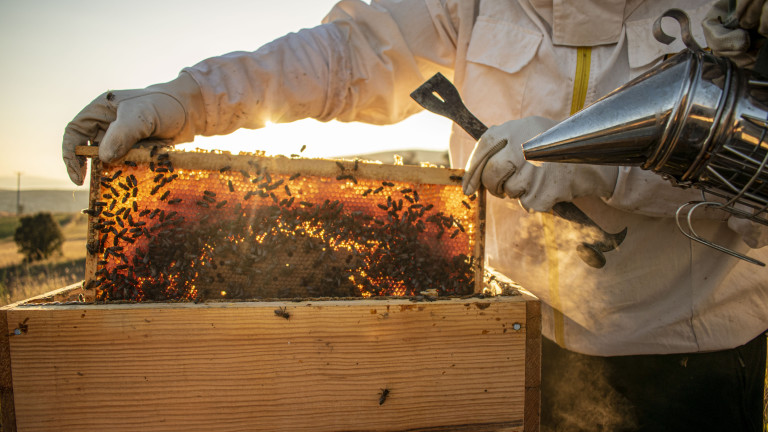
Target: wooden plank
point(285, 165)
point(448, 365)
point(532, 365)
point(7, 405)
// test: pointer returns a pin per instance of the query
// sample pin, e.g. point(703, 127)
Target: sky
point(58, 55)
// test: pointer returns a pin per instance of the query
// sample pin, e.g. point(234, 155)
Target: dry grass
point(19, 281)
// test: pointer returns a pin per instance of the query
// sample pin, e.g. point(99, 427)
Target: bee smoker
point(696, 119)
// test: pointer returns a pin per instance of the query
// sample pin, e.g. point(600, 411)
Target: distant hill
point(55, 201)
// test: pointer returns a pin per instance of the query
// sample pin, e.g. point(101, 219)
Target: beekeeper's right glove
point(170, 113)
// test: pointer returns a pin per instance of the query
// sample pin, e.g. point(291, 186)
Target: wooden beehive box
point(192, 318)
point(447, 365)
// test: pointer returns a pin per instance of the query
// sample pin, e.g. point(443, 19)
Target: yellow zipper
point(580, 86)
point(581, 79)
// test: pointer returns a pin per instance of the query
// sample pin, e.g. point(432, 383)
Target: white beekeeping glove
point(755, 235)
point(497, 161)
point(726, 30)
point(171, 113)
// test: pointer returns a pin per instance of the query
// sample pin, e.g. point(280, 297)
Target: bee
point(221, 204)
point(294, 177)
point(367, 192)
point(165, 195)
point(304, 147)
point(245, 173)
point(231, 186)
point(383, 395)
point(225, 169)
point(287, 190)
point(387, 184)
point(341, 166)
point(153, 152)
point(130, 163)
point(456, 178)
point(282, 312)
point(465, 204)
point(174, 201)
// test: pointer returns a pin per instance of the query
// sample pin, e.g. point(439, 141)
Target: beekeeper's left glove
point(170, 113)
point(497, 161)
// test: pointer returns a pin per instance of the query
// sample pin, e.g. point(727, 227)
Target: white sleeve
point(360, 65)
point(647, 193)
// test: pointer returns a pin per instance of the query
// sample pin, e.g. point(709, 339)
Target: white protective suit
point(659, 292)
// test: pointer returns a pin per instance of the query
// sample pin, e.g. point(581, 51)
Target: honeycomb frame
point(219, 188)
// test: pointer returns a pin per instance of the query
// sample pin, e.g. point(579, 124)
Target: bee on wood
point(130, 163)
point(456, 178)
point(225, 169)
point(282, 312)
point(341, 166)
point(383, 396)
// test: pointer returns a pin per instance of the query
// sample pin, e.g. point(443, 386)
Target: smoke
point(577, 395)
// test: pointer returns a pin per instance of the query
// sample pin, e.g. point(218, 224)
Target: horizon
point(59, 56)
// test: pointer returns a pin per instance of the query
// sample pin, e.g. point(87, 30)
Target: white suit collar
point(585, 22)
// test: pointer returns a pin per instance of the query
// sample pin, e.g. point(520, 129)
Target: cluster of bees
point(167, 234)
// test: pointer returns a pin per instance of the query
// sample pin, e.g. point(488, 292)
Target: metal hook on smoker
point(685, 30)
point(691, 233)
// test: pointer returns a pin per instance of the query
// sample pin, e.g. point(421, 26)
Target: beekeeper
point(669, 332)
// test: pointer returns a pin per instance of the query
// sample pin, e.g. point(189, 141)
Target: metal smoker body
point(696, 119)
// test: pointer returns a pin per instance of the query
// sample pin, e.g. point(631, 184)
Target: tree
point(38, 237)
